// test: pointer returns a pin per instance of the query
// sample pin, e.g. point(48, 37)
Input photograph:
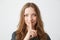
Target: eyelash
point(25, 15)
point(34, 14)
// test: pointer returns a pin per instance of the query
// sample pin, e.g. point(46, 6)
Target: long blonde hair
point(22, 30)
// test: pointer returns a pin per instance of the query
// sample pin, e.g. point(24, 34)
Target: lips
point(31, 22)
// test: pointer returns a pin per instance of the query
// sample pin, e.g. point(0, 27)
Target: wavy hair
point(22, 30)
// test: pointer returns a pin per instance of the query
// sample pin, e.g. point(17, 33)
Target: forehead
point(29, 10)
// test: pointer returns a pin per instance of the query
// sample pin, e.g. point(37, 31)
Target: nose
point(30, 18)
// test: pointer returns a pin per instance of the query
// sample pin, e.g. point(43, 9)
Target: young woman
point(30, 26)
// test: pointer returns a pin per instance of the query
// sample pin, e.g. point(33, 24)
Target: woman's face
point(30, 16)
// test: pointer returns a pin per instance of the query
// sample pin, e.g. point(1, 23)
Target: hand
point(31, 30)
point(31, 33)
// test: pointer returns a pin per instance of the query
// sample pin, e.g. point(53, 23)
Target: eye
point(33, 14)
point(26, 15)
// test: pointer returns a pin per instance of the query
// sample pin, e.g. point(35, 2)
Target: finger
point(30, 25)
point(33, 34)
point(35, 31)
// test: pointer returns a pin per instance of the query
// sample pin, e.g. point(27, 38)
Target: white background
point(10, 11)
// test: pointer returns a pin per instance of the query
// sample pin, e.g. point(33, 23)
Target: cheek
point(26, 20)
point(34, 19)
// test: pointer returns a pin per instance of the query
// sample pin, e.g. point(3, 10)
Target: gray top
point(35, 38)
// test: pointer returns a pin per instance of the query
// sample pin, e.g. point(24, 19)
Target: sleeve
point(48, 38)
point(35, 38)
point(13, 36)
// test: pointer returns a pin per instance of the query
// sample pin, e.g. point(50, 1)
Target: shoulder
point(48, 37)
point(36, 38)
point(13, 35)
